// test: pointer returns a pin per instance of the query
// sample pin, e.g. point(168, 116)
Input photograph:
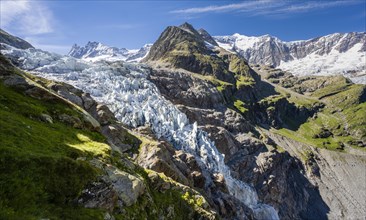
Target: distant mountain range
point(332, 54)
point(94, 51)
point(328, 55)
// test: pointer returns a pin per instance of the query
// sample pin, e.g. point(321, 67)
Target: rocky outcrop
point(162, 157)
point(207, 37)
point(190, 91)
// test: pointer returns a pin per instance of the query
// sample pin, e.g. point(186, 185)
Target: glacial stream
point(136, 101)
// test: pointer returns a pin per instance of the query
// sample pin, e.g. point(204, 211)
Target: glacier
point(136, 101)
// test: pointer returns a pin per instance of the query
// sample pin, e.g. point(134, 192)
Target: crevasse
point(136, 101)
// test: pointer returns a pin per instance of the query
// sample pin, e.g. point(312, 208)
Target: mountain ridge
point(338, 53)
point(94, 51)
point(333, 54)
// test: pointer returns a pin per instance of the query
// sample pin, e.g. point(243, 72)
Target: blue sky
point(56, 25)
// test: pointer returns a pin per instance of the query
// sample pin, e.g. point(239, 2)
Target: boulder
point(99, 195)
point(46, 118)
point(70, 120)
point(128, 187)
point(118, 136)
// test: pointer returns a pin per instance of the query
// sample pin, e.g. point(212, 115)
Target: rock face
point(278, 177)
point(207, 37)
point(331, 177)
point(299, 57)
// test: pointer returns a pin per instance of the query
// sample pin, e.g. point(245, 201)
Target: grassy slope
point(343, 115)
point(41, 174)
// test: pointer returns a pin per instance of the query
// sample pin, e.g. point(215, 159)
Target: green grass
point(211, 79)
point(343, 114)
point(332, 122)
point(346, 98)
point(184, 202)
point(240, 105)
point(243, 81)
point(356, 120)
point(271, 100)
point(238, 66)
point(39, 174)
point(340, 85)
point(220, 85)
point(296, 98)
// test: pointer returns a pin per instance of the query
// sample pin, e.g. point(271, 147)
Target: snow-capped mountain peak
point(338, 53)
point(94, 51)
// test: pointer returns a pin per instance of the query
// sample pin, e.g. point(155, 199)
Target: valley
point(190, 127)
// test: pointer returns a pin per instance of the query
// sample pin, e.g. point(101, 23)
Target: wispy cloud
point(267, 7)
point(26, 17)
point(120, 26)
point(38, 42)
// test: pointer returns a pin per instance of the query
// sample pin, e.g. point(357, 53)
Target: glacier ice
point(136, 101)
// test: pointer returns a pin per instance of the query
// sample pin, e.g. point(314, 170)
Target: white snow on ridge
point(136, 101)
point(95, 51)
point(332, 54)
point(242, 42)
point(334, 62)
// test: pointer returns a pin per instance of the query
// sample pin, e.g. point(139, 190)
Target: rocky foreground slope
point(290, 144)
point(64, 156)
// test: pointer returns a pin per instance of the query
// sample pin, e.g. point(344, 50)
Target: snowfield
point(332, 54)
point(95, 51)
point(347, 63)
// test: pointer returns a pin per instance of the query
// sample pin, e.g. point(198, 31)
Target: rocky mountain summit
point(192, 132)
point(328, 55)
